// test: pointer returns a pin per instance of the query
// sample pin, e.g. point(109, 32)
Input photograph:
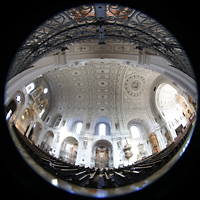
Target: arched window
point(135, 131)
point(78, 127)
point(57, 122)
point(102, 129)
point(47, 141)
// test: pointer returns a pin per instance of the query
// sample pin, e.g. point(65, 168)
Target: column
point(80, 151)
point(160, 139)
point(54, 144)
point(116, 152)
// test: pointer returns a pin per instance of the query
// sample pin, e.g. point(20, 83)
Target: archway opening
point(102, 154)
point(47, 141)
point(175, 110)
point(69, 150)
point(24, 121)
point(35, 133)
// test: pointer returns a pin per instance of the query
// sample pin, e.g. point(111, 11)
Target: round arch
point(142, 120)
point(55, 120)
point(102, 154)
point(152, 96)
point(14, 105)
point(103, 120)
point(35, 133)
point(69, 149)
point(47, 141)
point(24, 120)
point(72, 121)
point(165, 98)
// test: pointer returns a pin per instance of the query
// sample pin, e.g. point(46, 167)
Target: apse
point(101, 100)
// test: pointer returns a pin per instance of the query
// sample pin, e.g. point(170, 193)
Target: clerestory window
point(78, 128)
point(102, 129)
point(135, 131)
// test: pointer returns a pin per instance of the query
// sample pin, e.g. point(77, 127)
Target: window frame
point(104, 131)
point(57, 121)
point(107, 129)
point(76, 127)
point(138, 135)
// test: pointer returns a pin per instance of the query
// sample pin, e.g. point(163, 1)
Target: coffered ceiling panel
point(103, 86)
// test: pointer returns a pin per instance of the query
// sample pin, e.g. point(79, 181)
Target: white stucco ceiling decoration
point(134, 85)
point(99, 88)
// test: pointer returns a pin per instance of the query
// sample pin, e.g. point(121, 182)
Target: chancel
point(99, 99)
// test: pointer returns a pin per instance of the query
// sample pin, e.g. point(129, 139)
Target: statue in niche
point(127, 150)
point(168, 137)
point(85, 142)
point(119, 143)
point(117, 125)
point(141, 152)
point(88, 125)
point(154, 143)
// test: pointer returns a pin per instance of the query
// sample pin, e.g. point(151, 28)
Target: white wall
point(54, 62)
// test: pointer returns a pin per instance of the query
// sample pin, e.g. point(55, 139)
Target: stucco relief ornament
point(134, 85)
point(58, 138)
point(127, 150)
point(85, 142)
point(119, 143)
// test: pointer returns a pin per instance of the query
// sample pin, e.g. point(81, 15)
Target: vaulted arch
point(55, 120)
point(47, 141)
point(69, 150)
point(102, 154)
point(35, 133)
point(71, 124)
point(102, 126)
point(141, 120)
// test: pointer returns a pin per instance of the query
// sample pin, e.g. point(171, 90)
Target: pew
point(108, 177)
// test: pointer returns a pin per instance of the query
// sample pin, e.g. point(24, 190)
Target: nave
point(104, 177)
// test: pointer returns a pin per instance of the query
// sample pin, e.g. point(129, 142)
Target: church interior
point(99, 99)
